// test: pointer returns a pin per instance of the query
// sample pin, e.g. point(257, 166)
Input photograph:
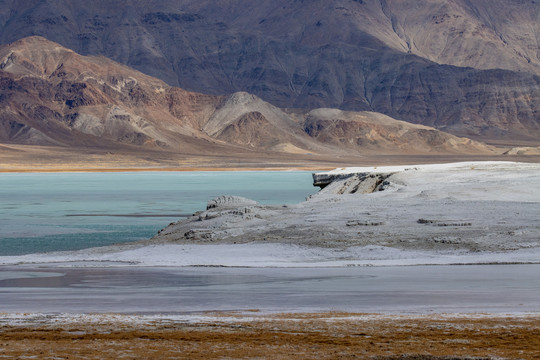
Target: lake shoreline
point(50, 211)
point(163, 169)
point(389, 212)
point(461, 211)
point(460, 313)
point(23, 159)
point(74, 289)
point(323, 166)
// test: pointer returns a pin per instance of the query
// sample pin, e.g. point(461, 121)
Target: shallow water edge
point(411, 289)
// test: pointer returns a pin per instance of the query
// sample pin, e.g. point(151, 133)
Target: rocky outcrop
point(523, 150)
point(228, 202)
point(76, 100)
point(361, 183)
point(246, 120)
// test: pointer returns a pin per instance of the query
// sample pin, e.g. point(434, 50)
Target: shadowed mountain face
point(467, 67)
point(50, 95)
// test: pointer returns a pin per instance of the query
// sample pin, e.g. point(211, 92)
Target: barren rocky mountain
point(53, 96)
point(50, 95)
point(469, 68)
point(377, 132)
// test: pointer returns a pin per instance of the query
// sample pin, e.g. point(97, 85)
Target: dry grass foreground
point(290, 336)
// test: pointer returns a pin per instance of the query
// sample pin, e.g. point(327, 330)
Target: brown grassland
point(286, 336)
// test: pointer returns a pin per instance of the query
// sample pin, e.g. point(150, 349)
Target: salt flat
point(501, 289)
point(451, 213)
point(333, 252)
point(461, 213)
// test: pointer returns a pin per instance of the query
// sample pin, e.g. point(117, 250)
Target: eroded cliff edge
point(454, 208)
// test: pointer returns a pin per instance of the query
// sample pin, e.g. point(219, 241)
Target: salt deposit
point(475, 212)
point(463, 208)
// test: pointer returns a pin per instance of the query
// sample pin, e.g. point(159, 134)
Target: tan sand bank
point(29, 158)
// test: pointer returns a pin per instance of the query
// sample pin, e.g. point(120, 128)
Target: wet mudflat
point(405, 289)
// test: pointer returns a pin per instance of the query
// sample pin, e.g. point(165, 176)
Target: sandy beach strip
point(255, 335)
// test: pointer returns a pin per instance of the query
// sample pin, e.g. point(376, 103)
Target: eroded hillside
point(469, 68)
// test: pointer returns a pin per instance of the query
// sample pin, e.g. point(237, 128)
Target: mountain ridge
point(52, 96)
point(471, 69)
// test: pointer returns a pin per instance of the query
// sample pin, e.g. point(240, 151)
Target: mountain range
point(470, 68)
point(53, 96)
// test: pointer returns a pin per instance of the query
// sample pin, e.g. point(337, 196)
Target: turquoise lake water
point(70, 211)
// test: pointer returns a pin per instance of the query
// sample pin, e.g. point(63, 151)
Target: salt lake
point(52, 212)
point(42, 212)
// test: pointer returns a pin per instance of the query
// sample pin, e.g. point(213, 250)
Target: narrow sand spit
point(278, 336)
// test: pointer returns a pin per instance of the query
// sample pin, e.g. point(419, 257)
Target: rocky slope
point(53, 96)
point(470, 68)
point(50, 95)
point(367, 131)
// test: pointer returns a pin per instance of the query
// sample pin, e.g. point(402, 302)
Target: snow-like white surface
point(499, 202)
point(267, 255)
point(141, 321)
point(150, 321)
point(489, 180)
point(461, 166)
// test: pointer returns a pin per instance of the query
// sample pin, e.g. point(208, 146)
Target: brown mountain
point(53, 96)
point(369, 131)
point(468, 67)
point(50, 95)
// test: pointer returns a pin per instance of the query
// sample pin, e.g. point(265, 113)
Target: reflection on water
point(472, 288)
point(42, 275)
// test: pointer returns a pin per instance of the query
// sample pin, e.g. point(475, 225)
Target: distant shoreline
point(39, 159)
point(164, 169)
point(261, 167)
